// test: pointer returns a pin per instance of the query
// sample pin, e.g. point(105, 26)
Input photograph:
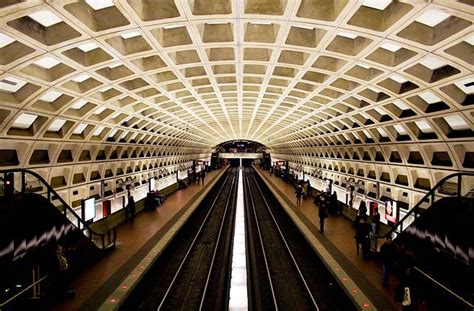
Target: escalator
point(439, 245)
point(31, 227)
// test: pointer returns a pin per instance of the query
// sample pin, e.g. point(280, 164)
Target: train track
point(194, 278)
point(285, 273)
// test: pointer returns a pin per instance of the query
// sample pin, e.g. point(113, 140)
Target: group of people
point(301, 191)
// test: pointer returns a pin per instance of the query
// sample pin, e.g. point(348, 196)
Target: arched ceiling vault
point(189, 74)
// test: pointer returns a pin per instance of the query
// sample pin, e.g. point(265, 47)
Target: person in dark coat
point(362, 237)
point(299, 193)
point(130, 209)
point(375, 223)
point(387, 256)
point(361, 213)
point(322, 216)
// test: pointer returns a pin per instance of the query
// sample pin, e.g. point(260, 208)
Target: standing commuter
point(130, 209)
point(387, 254)
point(363, 232)
point(322, 216)
point(299, 193)
point(375, 223)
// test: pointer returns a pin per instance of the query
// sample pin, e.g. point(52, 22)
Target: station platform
point(338, 244)
point(104, 284)
point(135, 242)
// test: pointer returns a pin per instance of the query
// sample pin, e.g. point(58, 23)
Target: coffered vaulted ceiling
point(190, 74)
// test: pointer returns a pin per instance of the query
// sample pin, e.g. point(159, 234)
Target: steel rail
point(192, 245)
point(219, 235)
point(252, 207)
point(287, 246)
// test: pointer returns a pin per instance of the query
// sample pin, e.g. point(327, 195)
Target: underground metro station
point(236, 154)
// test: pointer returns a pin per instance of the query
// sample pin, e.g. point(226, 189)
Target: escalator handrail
point(427, 196)
point(55, 194)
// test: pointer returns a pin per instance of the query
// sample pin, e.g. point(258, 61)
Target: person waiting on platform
point(159, 197)
point(130, 209)
point(298, 192)
point(363, 236)
point(182, 184)
point(63, 276)
point(322, 216)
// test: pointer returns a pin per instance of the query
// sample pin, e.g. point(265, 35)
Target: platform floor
point(338, 233)
point(95, 284)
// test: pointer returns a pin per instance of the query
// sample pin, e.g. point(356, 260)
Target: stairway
point(440, 245)
point(30, 228)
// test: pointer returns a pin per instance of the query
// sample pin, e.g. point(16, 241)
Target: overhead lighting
point(380, 110)
point(429, 97)
point(469, 40)
point(364, 65)
point(172, 26)
point(79, 104)
point(432, 18)
point(81, 78)
point(5, 40)
point(400, 104)
point(260, 23)
point(347, 35)
point(131, 34)
point(100, 110)
point(305, 27)
point(56, 125)
point(400, 129)
point(217, 23)
point(79, 129)
point(47, 62)
point(24, 121)
point(432, 63)
point(377, 4)
point(382, 132)
point(99, 4)
point(98, 130)
point(50, 96)
point(45, 18)
point(105, 89)
point(398, 79)
point(112, 66)
point(390, 47)
point(466, 85)
point(456, 122)
point(11, 84)
point(88, 47)
point(424, 126)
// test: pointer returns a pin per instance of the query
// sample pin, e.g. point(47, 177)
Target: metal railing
point(24, 184)
point(430, 198)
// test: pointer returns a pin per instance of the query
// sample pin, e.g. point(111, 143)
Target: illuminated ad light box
point(88, 209)
point(391, 211)
point(152, 184)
